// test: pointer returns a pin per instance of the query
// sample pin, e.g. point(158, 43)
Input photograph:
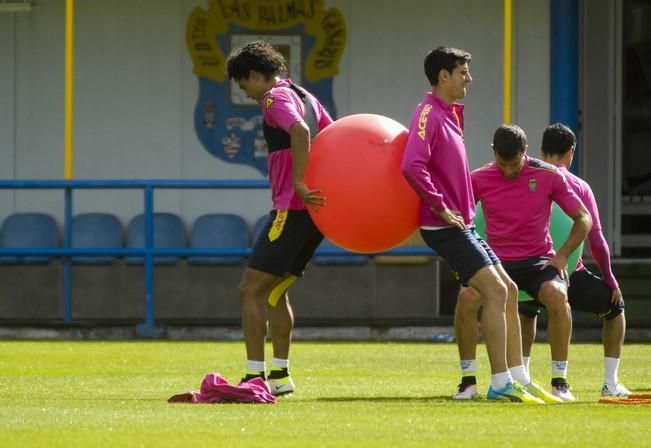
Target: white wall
point(135, 92)
point(531, 75)
point(7, 109)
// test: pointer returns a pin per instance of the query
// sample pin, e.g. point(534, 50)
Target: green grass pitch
point(358, 394)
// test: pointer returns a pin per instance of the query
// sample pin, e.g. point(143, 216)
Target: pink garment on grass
point(215, 389)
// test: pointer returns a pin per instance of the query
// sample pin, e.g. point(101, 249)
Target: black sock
point(468, 380)
point(276, 373)
point(559, 382)
point(250, 376)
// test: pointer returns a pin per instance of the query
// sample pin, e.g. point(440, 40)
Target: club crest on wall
point(310, 37)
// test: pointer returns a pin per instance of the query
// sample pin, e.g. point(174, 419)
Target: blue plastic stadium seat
point(339, 259)
point(219, 230)
point(28, 230)
point(169, 232)
point(258, 227)
point(95, 230)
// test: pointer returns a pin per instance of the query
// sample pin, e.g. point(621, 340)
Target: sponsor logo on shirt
point(532, 185)
point(422, 121)
point(269, 102)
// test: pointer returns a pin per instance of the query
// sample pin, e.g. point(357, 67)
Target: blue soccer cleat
point(513, 392)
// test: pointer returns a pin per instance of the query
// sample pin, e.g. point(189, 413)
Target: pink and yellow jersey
point(435, 162)
point(282, 108)
point(517, 211)
point(598, 245)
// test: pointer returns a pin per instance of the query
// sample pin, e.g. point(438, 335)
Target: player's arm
point(578, 233)
point(599, 247)
point(601, 255)
point(571, 204)
point(299, 135)
point(415, 170)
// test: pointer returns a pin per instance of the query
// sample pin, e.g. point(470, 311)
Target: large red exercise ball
point(559, 227)
point(355, 162)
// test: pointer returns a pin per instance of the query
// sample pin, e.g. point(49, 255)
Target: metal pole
point(69, 87)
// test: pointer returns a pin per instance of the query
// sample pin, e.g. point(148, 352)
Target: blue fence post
point(564, 65)
point(67, 260)
point(148, 328)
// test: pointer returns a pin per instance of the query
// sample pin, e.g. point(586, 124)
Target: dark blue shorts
point(464, 250)
point(286, 243)
point(528, 276)
point(587, 293)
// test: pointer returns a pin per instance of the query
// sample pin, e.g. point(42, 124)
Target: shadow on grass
point(387, 399)
point(440, 399)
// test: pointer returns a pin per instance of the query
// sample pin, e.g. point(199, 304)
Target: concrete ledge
point(417, 334)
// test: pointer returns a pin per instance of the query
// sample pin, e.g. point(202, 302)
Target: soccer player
point(292, 116)
point(436, 166)
point(516, 192)
point(587, 292)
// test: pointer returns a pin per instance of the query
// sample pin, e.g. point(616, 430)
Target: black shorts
point(464, 250)
point(528, 276)
point(587, 293)
point(286, 243)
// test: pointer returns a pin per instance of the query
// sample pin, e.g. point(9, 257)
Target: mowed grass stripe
point(348, 394)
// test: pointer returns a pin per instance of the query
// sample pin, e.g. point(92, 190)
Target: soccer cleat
point(618, 390)
point(280, 383)
point(466, 391)
point(561, 389)
point(513, 392)
point(538, 392)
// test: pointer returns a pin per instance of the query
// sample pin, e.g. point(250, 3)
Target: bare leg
point(559, 329)
point(466, 325)
point(493, 292)
point(613, 336)
point(528, 326)
point(281, 323)
point(254, 290)
point(513, 337)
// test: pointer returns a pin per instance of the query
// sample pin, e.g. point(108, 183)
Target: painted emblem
point(312, 39)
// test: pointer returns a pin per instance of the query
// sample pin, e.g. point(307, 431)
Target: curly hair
point(259, 56)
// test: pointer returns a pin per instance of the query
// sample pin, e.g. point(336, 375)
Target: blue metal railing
point(148, 327)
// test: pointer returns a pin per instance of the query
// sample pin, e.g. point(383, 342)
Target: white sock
point(277, 363)
point(559, 369)
point(519, 373)
point(500, 380)
point(611, 365)
point(468, 367)
point(255, 366)
point(525, 361)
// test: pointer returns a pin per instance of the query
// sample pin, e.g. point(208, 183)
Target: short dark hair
point(444, 58)
point(557, 139)
point(509, 141)
point(259, 56)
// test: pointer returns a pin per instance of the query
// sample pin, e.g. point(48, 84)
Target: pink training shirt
point(435, 162)
point(598, 245)
point(282, 108)
point(517, 211)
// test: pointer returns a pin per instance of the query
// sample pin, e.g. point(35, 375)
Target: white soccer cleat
point(466, 392)
point(281, 386)
point(562, 391)
point(608, 390)
point(280, 383)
